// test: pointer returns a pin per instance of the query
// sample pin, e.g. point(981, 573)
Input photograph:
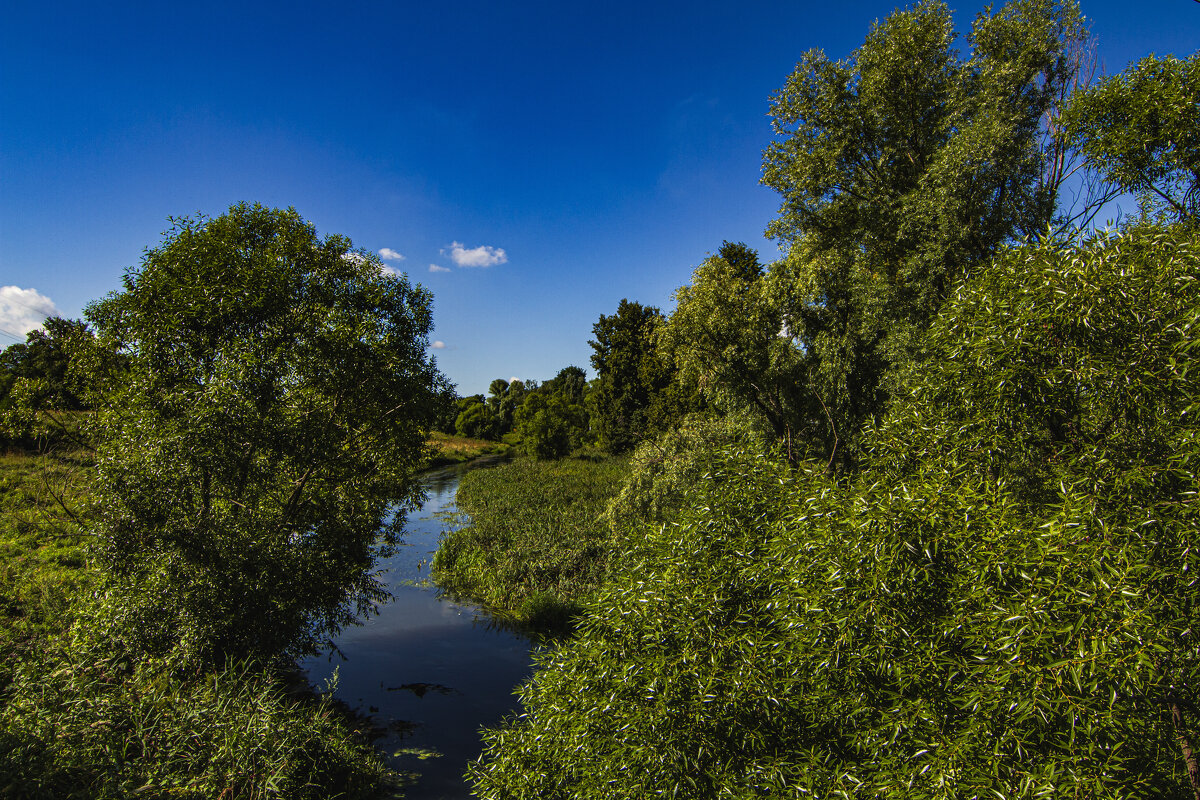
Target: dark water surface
point(432, 670)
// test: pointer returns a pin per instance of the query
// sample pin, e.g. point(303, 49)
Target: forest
point(905, 512)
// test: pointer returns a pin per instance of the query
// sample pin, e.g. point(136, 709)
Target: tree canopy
point(725, 338)
point(634, 395)
point(553, 419)
point(42, 364)
point(901, 169)
point(991, 592)
point(278, 398)
point(1000, 601)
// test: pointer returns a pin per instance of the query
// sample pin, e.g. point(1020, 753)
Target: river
point(431, 670)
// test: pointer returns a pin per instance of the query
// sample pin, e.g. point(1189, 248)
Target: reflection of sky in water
point(439, 665)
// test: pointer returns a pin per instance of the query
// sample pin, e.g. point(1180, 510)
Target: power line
point(7, 299)
point(12, 335)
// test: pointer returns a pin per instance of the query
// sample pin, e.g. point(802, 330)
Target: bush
point(664, 471)
point(276, 403)
point(1002, 604)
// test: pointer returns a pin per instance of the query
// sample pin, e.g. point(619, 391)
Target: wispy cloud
point(438, 268)
point(438, 345)
point(482, 256)
point(23, 310)
point(388, 254)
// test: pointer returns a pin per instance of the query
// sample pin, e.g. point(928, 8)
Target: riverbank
point(43, 554)
point(429, 671)
point(534, 544)
point(451, 450)
point(76, 720)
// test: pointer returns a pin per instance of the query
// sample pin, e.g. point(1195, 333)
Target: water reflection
point(430, 670)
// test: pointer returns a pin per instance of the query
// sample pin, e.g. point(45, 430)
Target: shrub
point(1002, 604)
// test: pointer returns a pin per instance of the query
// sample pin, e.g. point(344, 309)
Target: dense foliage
point(476, 421)
point(1002, 602)
point(901, 168)
point(725, 338)
point(910, 511)
point(277, 400)
point(80, 718)
point(547, 421)
point(40, 367)
point(964, 567)
point(43, 384)
point(100, 728)
point(553, 420)
point(664, 471)
point(636, 395)
point(261, 396)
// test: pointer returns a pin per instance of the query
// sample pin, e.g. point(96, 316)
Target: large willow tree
point(902, 168)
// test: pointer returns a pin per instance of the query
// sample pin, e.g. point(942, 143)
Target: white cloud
point(391, 270)
point(23, 310)
point(482, 256)
point(438, 345)
point(353, 257)
point(436, 268)
point(388, 254)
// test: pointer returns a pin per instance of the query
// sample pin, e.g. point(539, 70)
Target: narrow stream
point(432, 670)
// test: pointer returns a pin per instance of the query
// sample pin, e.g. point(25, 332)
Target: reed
point(531, 542)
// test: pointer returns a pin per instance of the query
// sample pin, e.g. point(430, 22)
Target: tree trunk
point(1189, 755)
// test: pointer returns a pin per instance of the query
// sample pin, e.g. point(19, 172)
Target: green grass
point(535, 544)
point(43, 562)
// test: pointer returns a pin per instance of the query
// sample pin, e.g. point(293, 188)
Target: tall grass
point(82, 723)
point(533, 541)
point(449, 449)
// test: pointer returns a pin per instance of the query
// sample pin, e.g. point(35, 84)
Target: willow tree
point(725, 337)
point(902, 168)
point(1141, 130)
point(1001, 603)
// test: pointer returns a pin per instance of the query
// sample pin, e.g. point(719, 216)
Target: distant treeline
point(636, 394)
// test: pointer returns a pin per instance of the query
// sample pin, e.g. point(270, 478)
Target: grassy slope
point(43, 567)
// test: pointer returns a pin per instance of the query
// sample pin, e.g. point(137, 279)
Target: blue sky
point(606, 149)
